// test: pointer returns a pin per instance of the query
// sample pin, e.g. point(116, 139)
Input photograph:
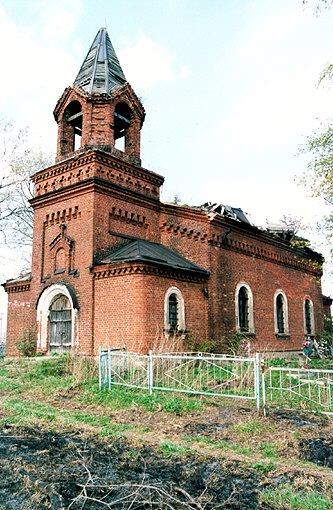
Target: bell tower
point(100, 107)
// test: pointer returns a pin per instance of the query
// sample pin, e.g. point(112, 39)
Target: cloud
point(148, 63)
point(276, 65)
point(37, 65)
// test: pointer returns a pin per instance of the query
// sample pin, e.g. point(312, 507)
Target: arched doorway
point(60, 324)
point(56, 317)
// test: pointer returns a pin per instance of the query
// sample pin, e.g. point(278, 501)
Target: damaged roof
point(235, 213)
point(139, 250)
point(100, 71)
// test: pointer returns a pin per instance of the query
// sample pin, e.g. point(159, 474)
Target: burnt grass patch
point(317, 450)
point(299, 419)
point(40, 470)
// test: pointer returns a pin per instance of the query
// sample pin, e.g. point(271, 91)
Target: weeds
point(168, 449)
point(123, 398)
point(250, 427)
point(286, 498)
point(269, 450)
point(264, 468)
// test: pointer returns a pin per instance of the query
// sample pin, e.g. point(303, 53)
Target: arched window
point(308, 317)
point(244, 308)
point(122, 121)
point(174, 311)
point(60, 320)
point(281, 313)
point(71, 128)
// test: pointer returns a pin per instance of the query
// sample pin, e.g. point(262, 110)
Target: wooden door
point(60, 325)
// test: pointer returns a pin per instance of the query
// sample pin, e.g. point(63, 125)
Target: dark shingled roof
point(100, 71)
point(139, 250)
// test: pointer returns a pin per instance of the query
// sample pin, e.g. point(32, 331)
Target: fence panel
point(221, 376)
point(211, 375)
point(121, 368)
point(298, 388)
point(2, 347)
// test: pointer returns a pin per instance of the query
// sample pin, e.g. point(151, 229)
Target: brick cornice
point(18, 286)
point(98, 185)
point(97, 156)
point(127, 269)
point(235, 226)
point(295, 259)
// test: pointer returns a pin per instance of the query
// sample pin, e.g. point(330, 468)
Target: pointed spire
point(100, 71)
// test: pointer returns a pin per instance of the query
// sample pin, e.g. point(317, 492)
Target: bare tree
point(18, 161)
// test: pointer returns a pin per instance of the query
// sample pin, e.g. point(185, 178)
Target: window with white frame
point(174, 311)
point(244, 308)
point(308, 317)
point(281, 313)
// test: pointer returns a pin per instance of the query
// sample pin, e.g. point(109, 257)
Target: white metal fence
point(220, 375)
point(298, 388)
point(212, 375)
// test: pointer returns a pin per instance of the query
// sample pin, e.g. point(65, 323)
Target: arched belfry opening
point(71, 128)
point(122, 123)
point(100, 106)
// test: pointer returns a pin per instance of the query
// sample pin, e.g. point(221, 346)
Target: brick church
point(112, 265)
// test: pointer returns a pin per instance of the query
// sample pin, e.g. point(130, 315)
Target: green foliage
point(263, 467)
point(299, 243)
point(168, 449)
point(319, 177)
point(327, 333)
point(41, 369)
point(27, 343)
point(285, 497)
point(234, 447)
point(269, 450)
point(124, 398)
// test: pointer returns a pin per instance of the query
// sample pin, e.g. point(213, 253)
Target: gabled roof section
point(139, 250)
point(100, 71)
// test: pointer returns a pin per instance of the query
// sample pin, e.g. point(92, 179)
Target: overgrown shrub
point(192, 344)
point(327, 333)
point(81, 368)
point(27, 343)
point(238, 344)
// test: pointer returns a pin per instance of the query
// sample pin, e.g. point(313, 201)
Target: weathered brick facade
point(96, 199)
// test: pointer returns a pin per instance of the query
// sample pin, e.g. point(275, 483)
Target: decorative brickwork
point(97, 200)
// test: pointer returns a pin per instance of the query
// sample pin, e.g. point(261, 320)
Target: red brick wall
point(21, 316)
point(125, 216)
point(265, 278)
point(129, 311)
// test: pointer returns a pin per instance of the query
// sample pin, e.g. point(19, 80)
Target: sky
point(230, 89)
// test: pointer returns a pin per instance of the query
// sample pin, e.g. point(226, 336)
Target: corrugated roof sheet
point(100, 71)
point(140, 250)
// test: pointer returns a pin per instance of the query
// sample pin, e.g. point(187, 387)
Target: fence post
point(263, 389)
point(109, 367)
point(257, 378)
point(150, 372)
point(100, 367)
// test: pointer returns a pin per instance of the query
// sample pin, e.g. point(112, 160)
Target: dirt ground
point(50, 470)
point(65, 445)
